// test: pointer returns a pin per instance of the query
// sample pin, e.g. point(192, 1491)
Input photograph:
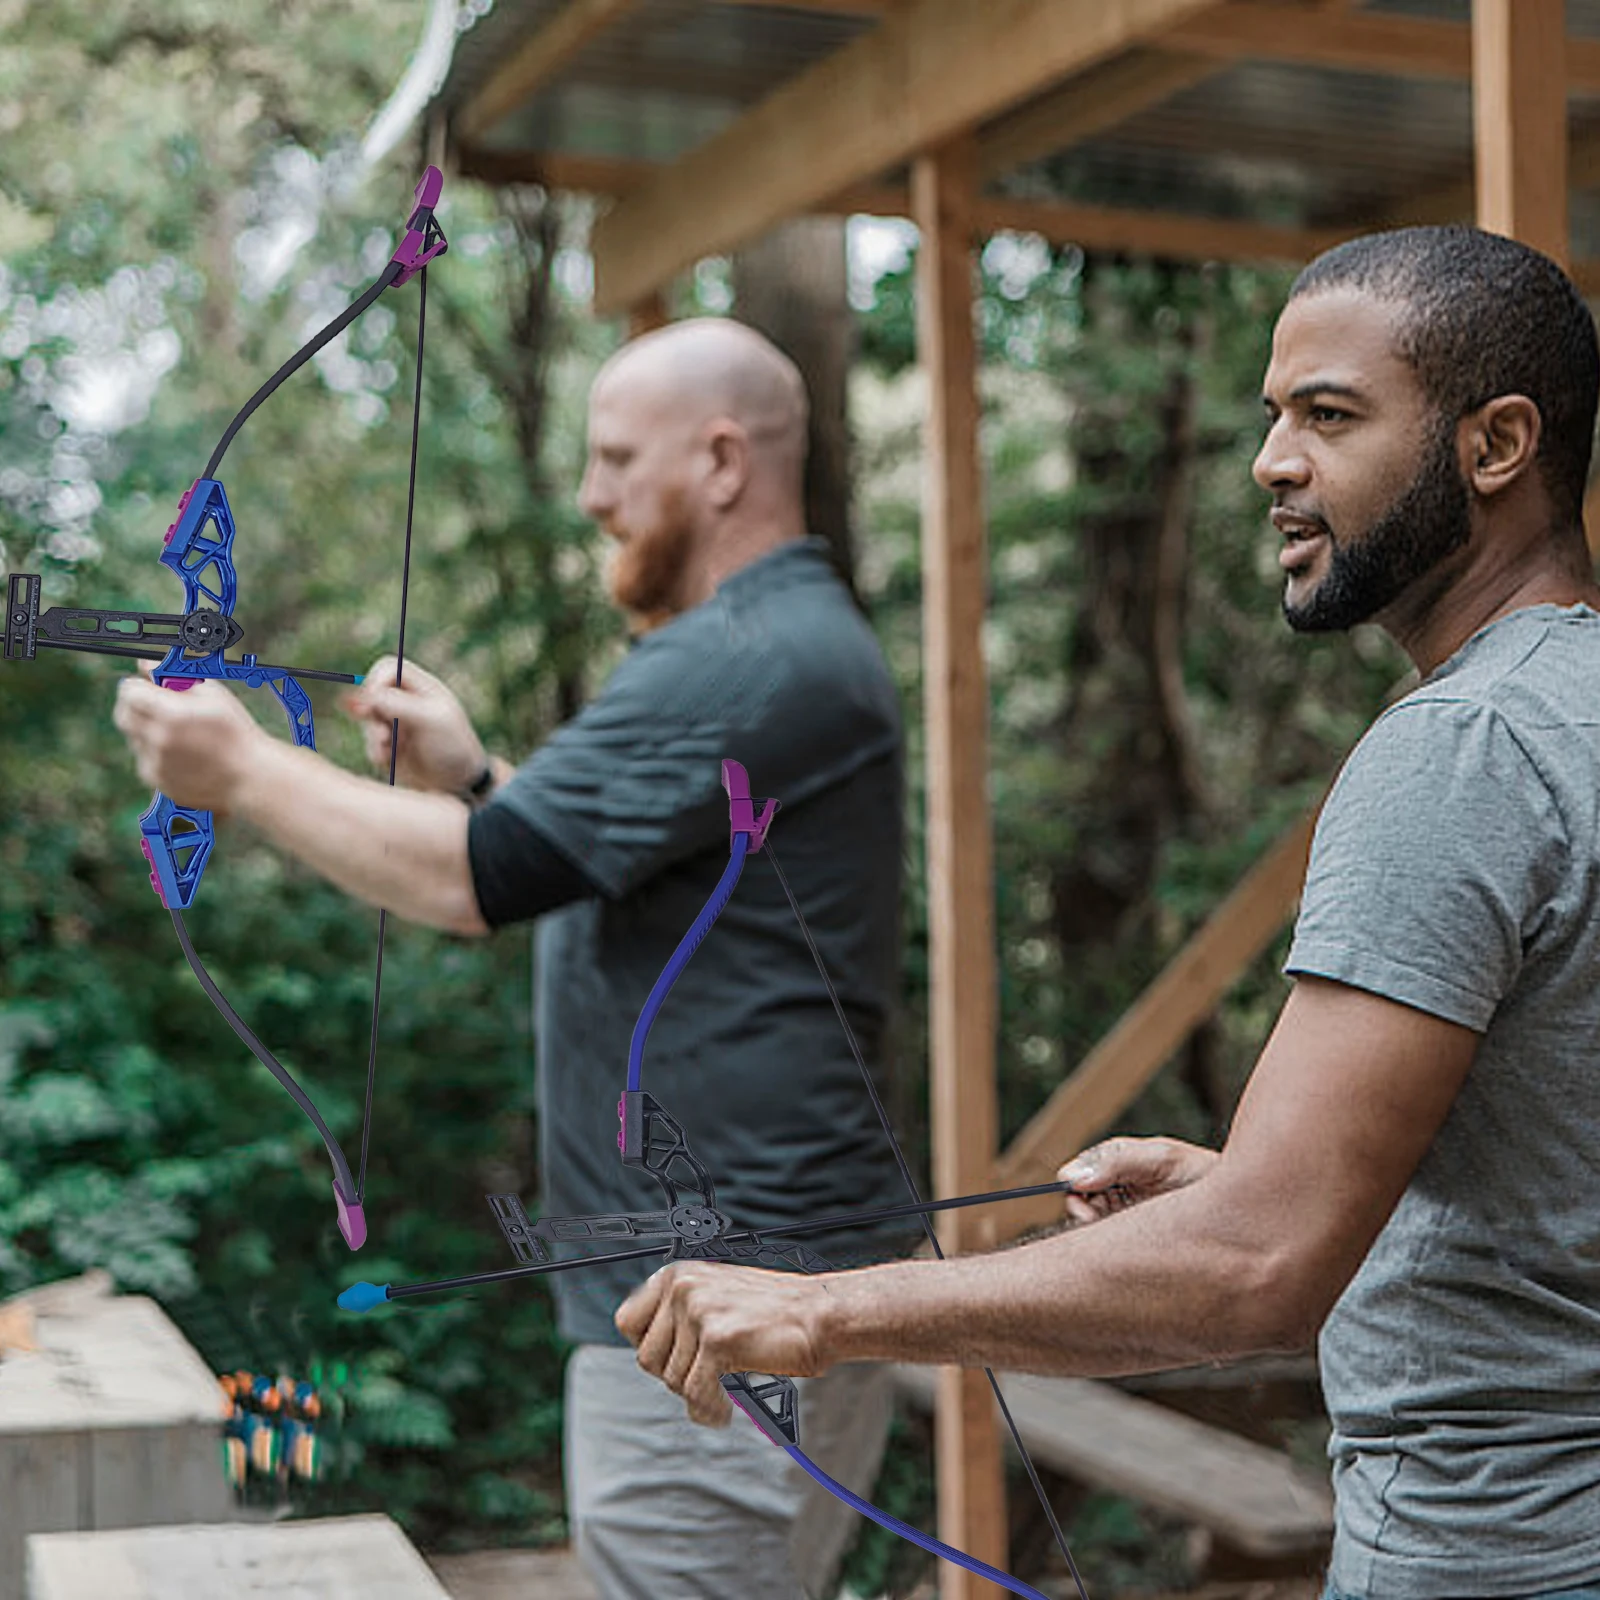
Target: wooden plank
point(538, 60)
point(331, 1558)
point(1256, 1499)
point(962, 1001)
point(1519, 119)
point(924, 74)
point(1141, 1043)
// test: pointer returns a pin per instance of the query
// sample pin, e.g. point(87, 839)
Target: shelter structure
point(1186, 129)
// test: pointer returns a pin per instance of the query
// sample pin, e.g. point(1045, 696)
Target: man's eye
point(1329, 414)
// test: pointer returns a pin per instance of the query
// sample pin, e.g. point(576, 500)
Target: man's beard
point(1430, 521)
point(647, 571)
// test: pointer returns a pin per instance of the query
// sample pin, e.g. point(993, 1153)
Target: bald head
point(711, 368)
point(696, 461)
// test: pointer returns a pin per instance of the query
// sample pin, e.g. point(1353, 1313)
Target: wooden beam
point(848, 8)
point(648, 315)
point(924, 74)
point(1088, 105)
point(1157, 233)
point(539, 59)
point(555, 169)
point(1457, 201)
point(1411, 47)
point(1586, 274)
point(1519, 106)
point(1322, 33)
point(962, 1000)
point(1184, 995)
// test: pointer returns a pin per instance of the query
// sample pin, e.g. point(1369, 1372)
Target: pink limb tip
point(352, 1220)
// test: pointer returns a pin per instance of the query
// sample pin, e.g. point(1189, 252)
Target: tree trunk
point(792, 285)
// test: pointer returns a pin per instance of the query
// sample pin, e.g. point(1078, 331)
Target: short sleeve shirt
point(1455, 869)
point(779, 671)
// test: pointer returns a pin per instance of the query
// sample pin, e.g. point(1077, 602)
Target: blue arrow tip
point(364, 1296)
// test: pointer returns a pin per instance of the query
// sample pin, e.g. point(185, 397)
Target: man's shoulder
point(1519, 702)
point(782, 633)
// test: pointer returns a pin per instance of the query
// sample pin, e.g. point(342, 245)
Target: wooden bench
point(108, 1419)
point(335, 1558)
point(1254, 1499)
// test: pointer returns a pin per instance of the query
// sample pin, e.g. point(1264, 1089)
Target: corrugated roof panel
point(663, 78)
point(1276, 143)
point(1259, 141)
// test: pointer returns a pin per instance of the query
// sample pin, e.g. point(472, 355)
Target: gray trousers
point(663, 1509)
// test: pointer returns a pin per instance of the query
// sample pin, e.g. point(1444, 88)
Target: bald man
point(612, 834)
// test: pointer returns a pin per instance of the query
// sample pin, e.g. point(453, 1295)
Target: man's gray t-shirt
point(1455, 870)
point(780, 672)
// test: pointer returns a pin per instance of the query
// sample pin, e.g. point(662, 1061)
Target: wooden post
point(646, 315)
point(960, 872)
point(1519, 108)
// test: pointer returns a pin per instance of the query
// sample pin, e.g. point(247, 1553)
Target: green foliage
point(134, 1133)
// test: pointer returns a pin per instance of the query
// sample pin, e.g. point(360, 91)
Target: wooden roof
point(1252, 128)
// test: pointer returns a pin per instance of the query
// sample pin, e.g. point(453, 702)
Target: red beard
point(648, 570)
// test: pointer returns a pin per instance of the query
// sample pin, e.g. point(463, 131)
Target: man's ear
point(1501, 440)
point(729, 449)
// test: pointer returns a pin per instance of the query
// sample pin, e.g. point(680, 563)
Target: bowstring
point(394, 726)
point(927, 1225)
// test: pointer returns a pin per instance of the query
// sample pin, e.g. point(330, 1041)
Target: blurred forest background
point(182, 202)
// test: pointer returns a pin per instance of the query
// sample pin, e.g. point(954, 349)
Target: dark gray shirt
point(779, 671)
point(1455, 870)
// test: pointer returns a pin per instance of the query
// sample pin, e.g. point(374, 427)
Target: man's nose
point(1280, 463)
point(592, 501)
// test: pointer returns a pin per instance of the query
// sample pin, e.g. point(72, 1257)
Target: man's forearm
point(1160, 1286)
point(394, 848)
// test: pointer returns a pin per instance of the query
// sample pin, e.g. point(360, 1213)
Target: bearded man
point(614, 833)
point(1412, 1169)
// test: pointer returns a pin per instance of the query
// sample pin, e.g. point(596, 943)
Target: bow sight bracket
point(771, 1403)
point(111, 633)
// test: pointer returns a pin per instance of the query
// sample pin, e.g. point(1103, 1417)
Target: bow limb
point(772, 1404)
point(177, 841)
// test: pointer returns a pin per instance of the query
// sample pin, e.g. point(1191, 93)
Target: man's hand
point(439, 752)
point(195, 745)
point(1118, 1173)
point(695, 1320)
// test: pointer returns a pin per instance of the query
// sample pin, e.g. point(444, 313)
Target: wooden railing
point(1153, 1028)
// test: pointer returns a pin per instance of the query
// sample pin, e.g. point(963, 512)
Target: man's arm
point(396, 848)
point(1344, 1102)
